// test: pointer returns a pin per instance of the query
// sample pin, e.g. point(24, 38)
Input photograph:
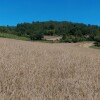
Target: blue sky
point(17, 11)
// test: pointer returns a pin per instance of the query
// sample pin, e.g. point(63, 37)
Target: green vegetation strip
point(95, 47)
point(12, 36)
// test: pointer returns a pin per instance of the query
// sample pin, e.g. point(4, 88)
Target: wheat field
point(48, 71)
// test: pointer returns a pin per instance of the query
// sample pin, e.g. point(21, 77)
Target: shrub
point(36, 36)
point(97, 40)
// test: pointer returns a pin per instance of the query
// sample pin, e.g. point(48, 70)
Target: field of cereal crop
point(46, 71)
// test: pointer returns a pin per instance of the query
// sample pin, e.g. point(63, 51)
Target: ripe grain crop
point(46, 71)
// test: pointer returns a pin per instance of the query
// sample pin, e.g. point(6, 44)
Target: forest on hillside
point(70, 32)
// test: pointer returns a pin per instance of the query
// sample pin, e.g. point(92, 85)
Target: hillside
point(69, 31)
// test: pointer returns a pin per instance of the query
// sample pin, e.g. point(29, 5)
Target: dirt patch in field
point(52, 38)
point(86, 44)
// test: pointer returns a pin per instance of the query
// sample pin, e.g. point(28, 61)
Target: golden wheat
point(43, 71)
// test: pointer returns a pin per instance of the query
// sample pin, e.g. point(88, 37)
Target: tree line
point(70, 32)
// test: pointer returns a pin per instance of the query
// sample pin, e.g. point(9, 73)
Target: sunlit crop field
point(48, 71)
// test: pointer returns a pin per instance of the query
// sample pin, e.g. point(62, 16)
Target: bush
point(72, 38)
point(64, 36)
point(75, 39)
point(97, 40)
point(36, 36)
point(97, 43)
point(68, 40)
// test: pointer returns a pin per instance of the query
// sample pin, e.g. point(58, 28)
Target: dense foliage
point(97, 40)
point(70, 32)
